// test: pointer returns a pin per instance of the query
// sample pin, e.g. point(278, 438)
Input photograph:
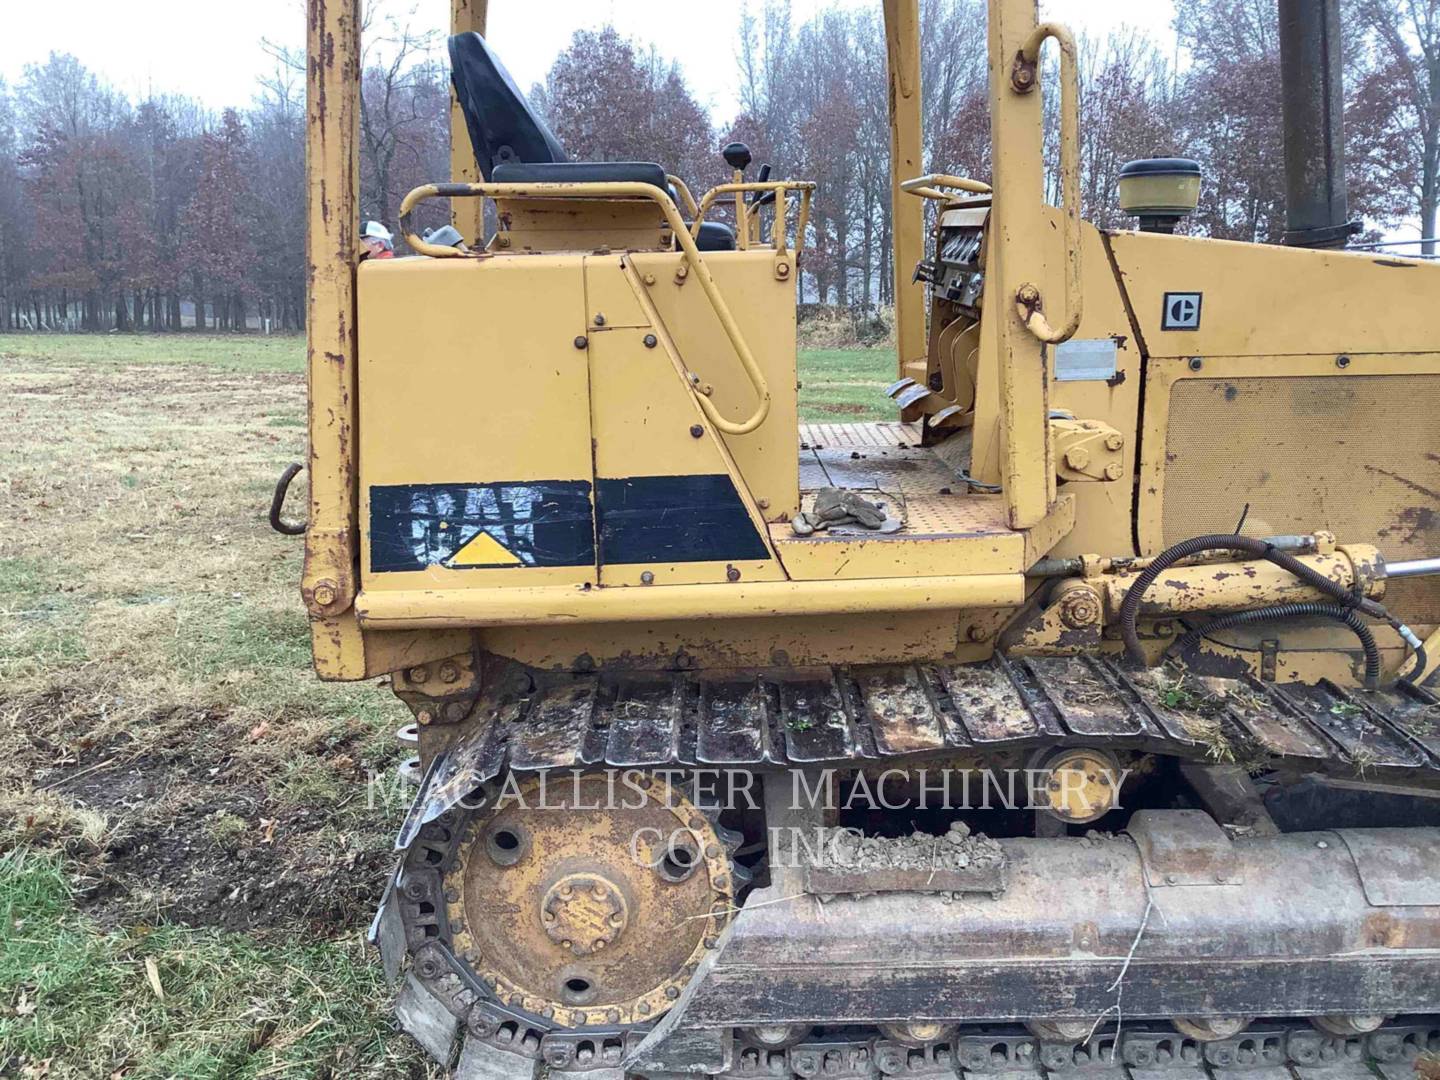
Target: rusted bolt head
point(977, 633)
point(650, 341)
point(649, 279)
point(326, 593)
point(1028, 295)
point(1114, 441)
point(455, 711)
point(582, 342)
point(449, 671)
point(418, 674)
point(782, 270)
point(682, 272)
point(732, 573)
point(1022, 73)
point(599, 319)
point(647, 578)
point(696, 431)
point(1196, 363)
point(502, 241)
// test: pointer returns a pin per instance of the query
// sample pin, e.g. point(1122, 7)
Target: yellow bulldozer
point(1074, 720)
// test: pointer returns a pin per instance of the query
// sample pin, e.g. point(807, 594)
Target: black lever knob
point(736, 155)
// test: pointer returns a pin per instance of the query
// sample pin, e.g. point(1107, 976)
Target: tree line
point(159, 214)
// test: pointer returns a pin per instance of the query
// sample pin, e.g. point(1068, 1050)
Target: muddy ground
point(164, 745)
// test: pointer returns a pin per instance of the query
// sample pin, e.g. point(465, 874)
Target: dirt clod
point(958, 849)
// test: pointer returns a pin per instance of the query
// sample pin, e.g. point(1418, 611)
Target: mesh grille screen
point(1356, 454)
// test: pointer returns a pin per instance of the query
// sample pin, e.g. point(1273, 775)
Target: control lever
point(760, 198)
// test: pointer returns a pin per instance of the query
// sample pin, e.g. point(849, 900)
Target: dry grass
point(168, 757)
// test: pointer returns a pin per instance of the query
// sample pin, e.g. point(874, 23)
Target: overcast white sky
point(210, 49)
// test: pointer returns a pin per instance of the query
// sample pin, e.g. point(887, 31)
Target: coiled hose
point(1300, 610)
point(1350, 602)
point(1245, 545)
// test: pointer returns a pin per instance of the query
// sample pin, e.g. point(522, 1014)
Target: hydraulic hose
point(1245, 545)
point(1302, 610)
point(1418, 668)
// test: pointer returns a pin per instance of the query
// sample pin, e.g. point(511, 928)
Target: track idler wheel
point(1211, 1028)
point(585, 902)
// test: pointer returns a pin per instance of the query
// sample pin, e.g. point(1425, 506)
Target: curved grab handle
point(619, 190)
point(927, 187)
point(277, 503)
point(1024, 78)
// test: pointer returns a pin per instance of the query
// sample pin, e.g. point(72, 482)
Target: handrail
point(684, 191)
point(618, 190)
point(1025, 77)
point(927, 187)
point(697, 386)
point(779, 187)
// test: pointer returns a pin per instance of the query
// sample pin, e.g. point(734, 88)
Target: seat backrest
point(583, 172)
point(503, 127)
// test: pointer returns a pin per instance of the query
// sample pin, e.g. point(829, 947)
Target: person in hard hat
point(378, 241)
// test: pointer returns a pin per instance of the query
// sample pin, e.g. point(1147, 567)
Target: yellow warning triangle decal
point(482, 549)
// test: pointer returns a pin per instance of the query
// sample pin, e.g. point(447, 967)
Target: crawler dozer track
point(1120, 940)
point(532, 722)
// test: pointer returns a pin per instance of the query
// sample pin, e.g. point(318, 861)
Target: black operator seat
point(513, 145)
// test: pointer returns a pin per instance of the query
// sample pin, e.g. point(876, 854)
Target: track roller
point(1345, 1027)
point(917, 1034)
point(1061, 1030)
point(1210, 1028)
point(775, 1036)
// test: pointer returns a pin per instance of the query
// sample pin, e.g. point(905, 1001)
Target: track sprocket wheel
point(588, 901)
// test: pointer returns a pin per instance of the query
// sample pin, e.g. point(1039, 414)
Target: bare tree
point(399, 94)
point(1407, 33)
point(608, 100)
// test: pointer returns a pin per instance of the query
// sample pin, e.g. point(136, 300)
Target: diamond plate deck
point(858, 436)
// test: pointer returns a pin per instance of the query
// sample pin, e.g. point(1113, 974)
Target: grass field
point(189, 847)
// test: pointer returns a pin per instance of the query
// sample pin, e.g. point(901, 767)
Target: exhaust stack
point(1313, 107)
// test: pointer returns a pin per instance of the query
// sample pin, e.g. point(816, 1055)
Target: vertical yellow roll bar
point(467, 215)
point(907, 216)
point(1022, 248)
point(1025, 77)
point(332, 169)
